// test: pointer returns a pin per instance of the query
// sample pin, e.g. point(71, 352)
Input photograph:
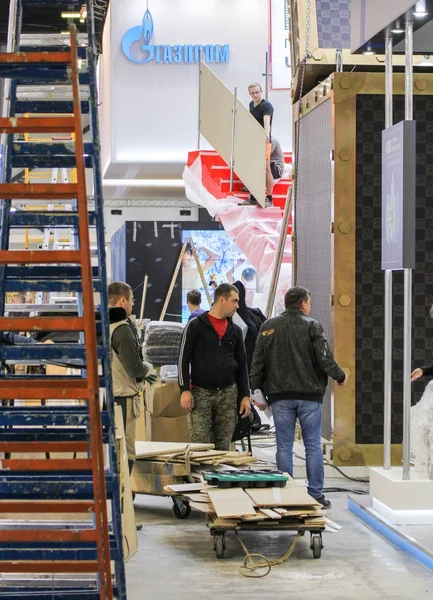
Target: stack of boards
point(288, 506)
point(160, 464)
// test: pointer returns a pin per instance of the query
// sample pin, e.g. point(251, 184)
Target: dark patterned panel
point(313, 222)
point(333, 23)
point(369, 276)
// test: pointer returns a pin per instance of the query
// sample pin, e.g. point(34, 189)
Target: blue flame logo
point(137, 47)
point(147, 26)
point(136, 41)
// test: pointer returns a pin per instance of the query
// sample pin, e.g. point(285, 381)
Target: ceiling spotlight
point(397, 29)
point(420, 10)
point(369, 52)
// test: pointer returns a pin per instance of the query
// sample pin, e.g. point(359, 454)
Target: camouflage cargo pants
point(214, 416)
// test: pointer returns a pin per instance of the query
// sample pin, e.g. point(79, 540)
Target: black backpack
point(246, 426)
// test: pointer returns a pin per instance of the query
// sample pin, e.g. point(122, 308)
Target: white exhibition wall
point(151, 110)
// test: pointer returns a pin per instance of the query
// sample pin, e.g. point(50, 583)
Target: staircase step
point(81, 50)
point(45, 506)
point(39, 256)
point(59, 219)
point(45, 76)
point(40, 566)
point(17, 59)
point(38, 191)
point(59, 389)
point(41, 324)
point(42, 487)
point(49, 106)
point(37, 125)
point(51, 285)
point(54, 353)
point(36, 447)
point(46, 272)
point(34, 536)
point(37, 416)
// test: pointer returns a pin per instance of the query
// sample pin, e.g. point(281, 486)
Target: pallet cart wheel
point(316, 545)
point(220, 546)
point(181, 509)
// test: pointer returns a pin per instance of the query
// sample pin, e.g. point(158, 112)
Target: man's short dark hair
point(248, 274)
point(224, 290)
point(118, 290)
point(194, 297)
point(296, 296)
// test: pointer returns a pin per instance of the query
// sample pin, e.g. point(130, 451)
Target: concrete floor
point(177, 558)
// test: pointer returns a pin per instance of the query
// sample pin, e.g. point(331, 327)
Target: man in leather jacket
point(291, 365)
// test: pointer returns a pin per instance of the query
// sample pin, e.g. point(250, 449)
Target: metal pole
point(143, 298)
point(199, 102)
point(388, 285)
point(266, 74)
point(232, 153)
point(280, 253)
point(407, 326)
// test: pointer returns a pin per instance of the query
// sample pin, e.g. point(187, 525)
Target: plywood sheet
point(185, 487)
point(202, 507)
point(149, 449)
point(290, 495)
point(216, 112)
point(232, 503)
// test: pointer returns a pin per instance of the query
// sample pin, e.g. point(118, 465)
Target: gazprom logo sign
point(136, 47)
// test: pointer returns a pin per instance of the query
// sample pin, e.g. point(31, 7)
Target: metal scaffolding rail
point(42, 414)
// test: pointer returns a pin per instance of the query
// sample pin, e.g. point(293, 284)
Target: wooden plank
point(270, 513)
point(290, 495)
point(150, 449)
point(152, 467)
point(202, 507)
point(184, 487)
point(259, 516)
point(232, 503)
point(195, 497)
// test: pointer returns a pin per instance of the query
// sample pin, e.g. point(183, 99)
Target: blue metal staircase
point(65, 558)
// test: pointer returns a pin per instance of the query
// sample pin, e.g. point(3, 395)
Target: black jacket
point(215, 363)
point(126, 344)
point(292, 359)
point(12, 339)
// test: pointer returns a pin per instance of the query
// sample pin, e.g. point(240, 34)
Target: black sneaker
point(244, 189)
point(323, 501)
point(268, 203)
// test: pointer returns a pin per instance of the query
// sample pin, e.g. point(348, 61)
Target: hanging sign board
point(398, 196)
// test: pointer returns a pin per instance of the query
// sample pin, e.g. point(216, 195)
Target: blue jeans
point(309, 413)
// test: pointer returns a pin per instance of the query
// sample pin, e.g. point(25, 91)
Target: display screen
point(221, 261)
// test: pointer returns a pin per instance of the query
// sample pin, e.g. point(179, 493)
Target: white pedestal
point(399, 501)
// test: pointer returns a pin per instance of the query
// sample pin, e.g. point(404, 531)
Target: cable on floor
point(340, 489)
point(357, 479)
point(250, 566)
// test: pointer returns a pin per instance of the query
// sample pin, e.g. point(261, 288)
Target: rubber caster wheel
point(219, 546)
point(316, 546)
point(181, 510)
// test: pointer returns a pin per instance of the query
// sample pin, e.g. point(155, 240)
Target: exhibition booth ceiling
point(149, 77)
